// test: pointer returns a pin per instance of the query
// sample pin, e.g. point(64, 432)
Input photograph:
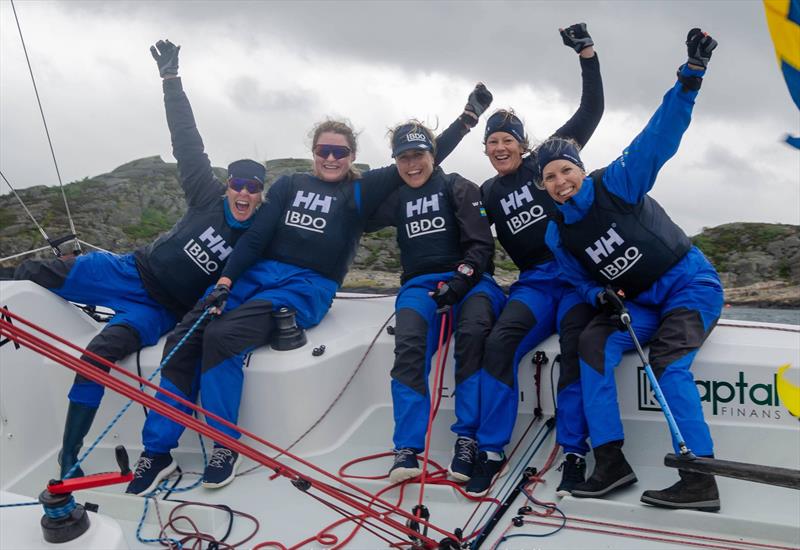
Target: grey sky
point(260, 74)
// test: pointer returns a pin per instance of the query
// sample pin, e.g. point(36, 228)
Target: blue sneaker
point(463, 461)
point(150, 470)
point(221, 468)
point(405, 465)
point(484, 474)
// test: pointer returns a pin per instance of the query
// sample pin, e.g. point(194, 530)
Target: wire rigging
point(77, 246)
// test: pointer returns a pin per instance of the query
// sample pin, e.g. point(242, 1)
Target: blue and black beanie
point(557, 149)
point(505, 121)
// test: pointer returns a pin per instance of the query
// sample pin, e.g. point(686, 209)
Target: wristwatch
point(466, 270)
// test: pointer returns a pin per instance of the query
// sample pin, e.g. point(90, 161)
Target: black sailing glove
point(576, 37)
point(478, 101)
point(216, 299)
point(453, 291)
point(610, 303)
point(699, 46)
point(166, 55)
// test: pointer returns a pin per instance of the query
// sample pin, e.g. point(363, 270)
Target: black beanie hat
point(247, 169)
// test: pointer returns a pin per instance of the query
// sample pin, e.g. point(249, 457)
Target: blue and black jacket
point(611, 232)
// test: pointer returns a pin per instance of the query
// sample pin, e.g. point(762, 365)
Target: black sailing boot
point(694, 491)
point(611, 471)
point(79, 420)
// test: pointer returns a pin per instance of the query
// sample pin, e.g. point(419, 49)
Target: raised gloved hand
point(610, 303)
point(451, 292)
point(216, 299)
point(478, 101)
point(166, 55)
point(576, 37)
point(699, 46)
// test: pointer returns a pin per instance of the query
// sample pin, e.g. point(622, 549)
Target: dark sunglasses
point(252, 186)
point(338, 151)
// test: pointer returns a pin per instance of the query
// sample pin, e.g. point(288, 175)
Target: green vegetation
point(152, 223)
point(7, 217)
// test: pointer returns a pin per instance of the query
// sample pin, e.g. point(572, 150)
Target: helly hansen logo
point(422, 206)
point(605, 247)
point(208, 251)
point(312, 201)
point(523, 218)
point(516, 199)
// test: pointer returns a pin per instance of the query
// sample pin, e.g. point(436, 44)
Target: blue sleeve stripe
point(358, 195)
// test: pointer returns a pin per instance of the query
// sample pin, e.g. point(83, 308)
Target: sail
point(783, 20)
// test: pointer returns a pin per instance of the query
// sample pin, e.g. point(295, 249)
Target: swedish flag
point(783, 20)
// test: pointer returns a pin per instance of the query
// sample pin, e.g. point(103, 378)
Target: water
point(786, 316)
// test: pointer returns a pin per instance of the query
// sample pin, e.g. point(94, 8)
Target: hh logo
point(647, 399)
point(604, 247)
point(422, 206)
point(208, 251)
point(516, 199)
point(313, 201)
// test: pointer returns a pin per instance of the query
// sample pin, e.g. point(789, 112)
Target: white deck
point(286, 392)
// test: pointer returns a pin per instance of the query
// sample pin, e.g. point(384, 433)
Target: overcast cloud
point(260, 74)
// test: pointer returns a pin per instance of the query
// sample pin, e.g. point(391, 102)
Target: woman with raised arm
point(153, 287)
point(539, 303)
point(295, 255)
point(614, 242)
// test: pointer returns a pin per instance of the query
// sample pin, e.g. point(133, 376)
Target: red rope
point(436, 395)
point(89, 371)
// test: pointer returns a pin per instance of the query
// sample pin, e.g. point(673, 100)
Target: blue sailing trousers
point(675, 316)
point(211, 360)
point(416, 340)
point(107, 280)
point(539, 304)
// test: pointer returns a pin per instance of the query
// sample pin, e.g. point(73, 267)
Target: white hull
point(287, 392)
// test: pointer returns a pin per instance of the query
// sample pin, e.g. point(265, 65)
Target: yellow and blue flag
point(783, 20)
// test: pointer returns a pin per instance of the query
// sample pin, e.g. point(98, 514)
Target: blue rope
point(163, 487)
point(58, 512)
point(33, 503)
point(130, 402)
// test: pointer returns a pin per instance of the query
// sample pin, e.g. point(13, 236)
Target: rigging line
point(39, 227)
point(34, 251)
point(94, 246)
point(46, 130)
point(18, 333)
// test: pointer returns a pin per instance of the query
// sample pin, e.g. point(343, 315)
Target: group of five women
point(581, 242)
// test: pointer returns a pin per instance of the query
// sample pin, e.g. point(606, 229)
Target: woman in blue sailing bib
point(153, 287)
point(539, 303)
point(446, 250)
point(613, 241)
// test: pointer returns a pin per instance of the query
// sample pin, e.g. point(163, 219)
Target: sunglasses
point(338, 151)
point(252, 186)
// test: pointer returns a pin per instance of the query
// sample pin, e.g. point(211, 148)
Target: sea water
point(786, 316)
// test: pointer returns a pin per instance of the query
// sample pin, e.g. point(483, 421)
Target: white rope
point(46, 248)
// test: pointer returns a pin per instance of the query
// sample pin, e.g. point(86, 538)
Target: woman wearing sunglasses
point(540, 302)
point(613, 241)
point(151, 288)
point(295, 255)
point(446, 250)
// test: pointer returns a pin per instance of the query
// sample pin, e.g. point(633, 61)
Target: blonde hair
point(343, 128)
